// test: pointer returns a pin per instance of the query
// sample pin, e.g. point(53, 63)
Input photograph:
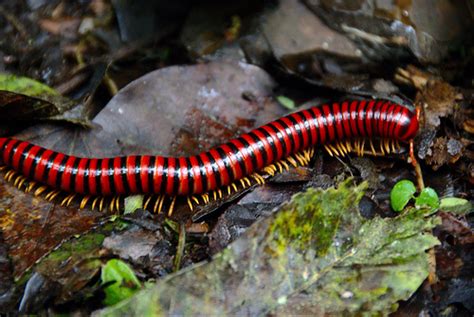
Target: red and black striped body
point(217, 167)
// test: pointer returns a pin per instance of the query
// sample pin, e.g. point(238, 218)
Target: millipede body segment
point(328, 125)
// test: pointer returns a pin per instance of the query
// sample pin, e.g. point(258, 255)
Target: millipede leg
point(387, 146)
point(340, 146)
point(9, 175)
point(30, 187)
point(159, 204)
point(101, 204)
point(270, 170)
point(372, 148)
point(115, 204)
point(67, 200)
point(170, 211)
point(205, 198)
point(147, 201)
point(84, 201)
point(285, 165)
point(190, 203)
point(258, 178)
point(334, 149)
point(292, 161)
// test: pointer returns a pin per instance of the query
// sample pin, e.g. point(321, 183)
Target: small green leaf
point(125, 282)
point(427, 198)
point(456, 205)
point(132, 203)
point(25, 86)
point(286, 102)
point(401, 194)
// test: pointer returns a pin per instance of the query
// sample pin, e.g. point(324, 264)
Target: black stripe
point(177, 170)
point(403, 126)
point(307, 127)
point(215, 168)
point(250, 150)
point(363, 131)
point(137, 171)
point(227, 163)
point(110, 175)
point(151, 174)
point(314, 117)
point(336, 115)
point(35, 162)
point(287, 131)
point(61, 169)
point(23, 156)
point(270, 141)
point(49, 166)
point(14, 146)
point(396, 120)
point(164, 177)
point(375, 118)
point(280, 138)
point(96, 179)
point(203, 172)
point(298, 132)
point(261, 147)
point(190, 172)
point(239, 156)
point(87, 176)
point(75, 169)
point(325, 121)
point(123, 174)
point(356, 132)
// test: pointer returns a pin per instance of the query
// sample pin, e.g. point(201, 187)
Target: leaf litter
point(317, 244)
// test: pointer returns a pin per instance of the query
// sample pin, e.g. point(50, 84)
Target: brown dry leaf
point(438, 99)
point(444, 150)
point(179, 110)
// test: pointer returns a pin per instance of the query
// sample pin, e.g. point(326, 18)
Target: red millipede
point(340, 127)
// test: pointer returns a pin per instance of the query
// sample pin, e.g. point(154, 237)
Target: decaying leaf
point(318, 244)
point(24, 99)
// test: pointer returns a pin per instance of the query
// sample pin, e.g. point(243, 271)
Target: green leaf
point(133, 203)
point(286, 102)
point(317, 244)
point(25, 86)
point(427, 198)
point(456, 205)
point(401, 194)
point(125, 282)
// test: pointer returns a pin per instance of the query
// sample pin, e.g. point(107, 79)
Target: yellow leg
point(84, 201)
point(101, 204)
point(292, 161)
point(170, 211)
point(30, 187)
point(94, 202)
point(372, 148)
point(190, 204)
point(69, 201)
point(147, 201)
